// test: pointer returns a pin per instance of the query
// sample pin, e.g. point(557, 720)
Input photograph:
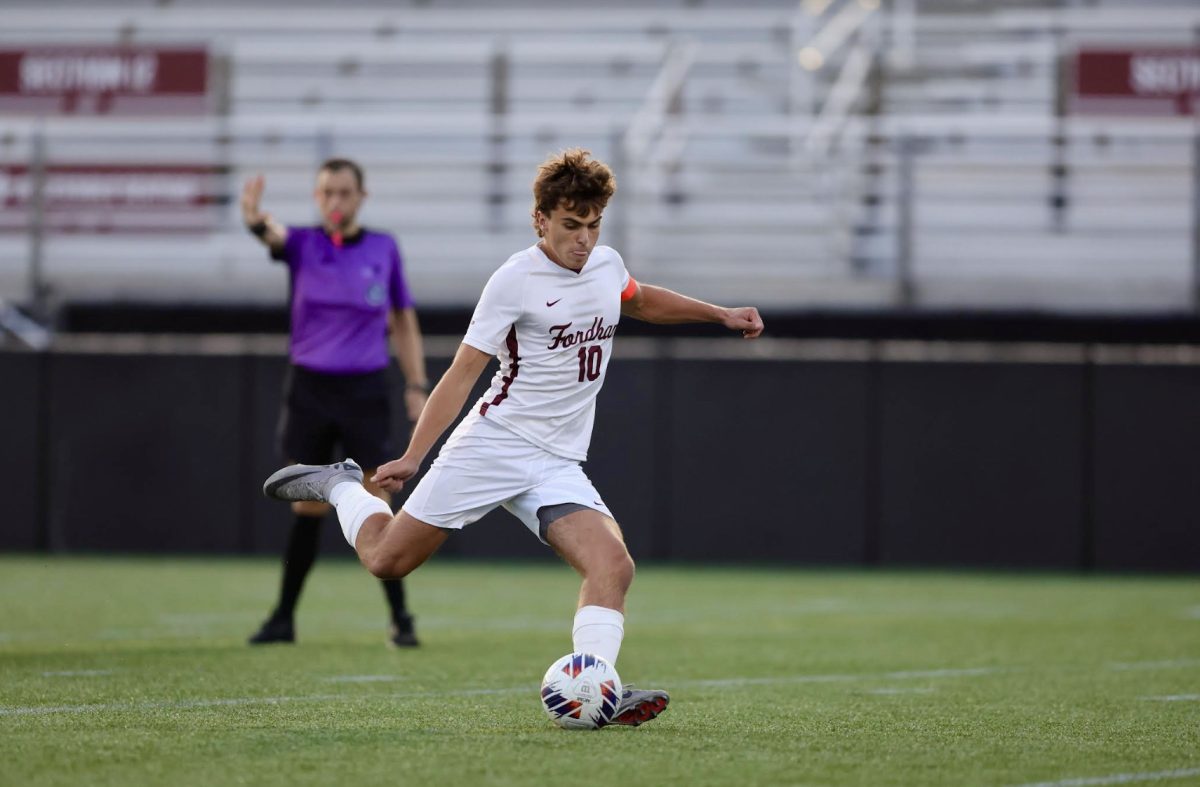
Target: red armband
point(630, 290)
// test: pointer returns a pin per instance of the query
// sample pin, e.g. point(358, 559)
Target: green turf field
point(133, 671)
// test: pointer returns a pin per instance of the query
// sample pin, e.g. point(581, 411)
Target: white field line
point(713, 683)
point(1120, 778)
point(1175, 698)
point(140, 634)
point(363, 678)
point(183, 630)
point(721, 683)
point(950, 673)
point(204, 619)
point(1153, 665)
point(186, 625)
point(847, 678)
point(103, 707)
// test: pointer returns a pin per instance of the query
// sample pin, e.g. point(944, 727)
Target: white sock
point(354, 504)
point(599, 630)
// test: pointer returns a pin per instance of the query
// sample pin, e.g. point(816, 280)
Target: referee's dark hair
point(339, 164)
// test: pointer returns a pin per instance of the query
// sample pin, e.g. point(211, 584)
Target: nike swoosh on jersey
point(551, 303)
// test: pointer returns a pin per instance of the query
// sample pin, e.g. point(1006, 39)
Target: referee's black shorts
point(327, 417)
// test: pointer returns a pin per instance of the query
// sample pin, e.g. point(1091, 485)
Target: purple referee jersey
point(340, 299)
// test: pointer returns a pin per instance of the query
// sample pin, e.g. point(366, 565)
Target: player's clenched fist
point(745, 319)
point(391, 475)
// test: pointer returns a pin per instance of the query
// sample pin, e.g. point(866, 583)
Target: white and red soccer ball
point(581, 691)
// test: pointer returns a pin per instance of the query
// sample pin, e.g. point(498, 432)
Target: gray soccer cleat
point(639, 706)
point(311, 482)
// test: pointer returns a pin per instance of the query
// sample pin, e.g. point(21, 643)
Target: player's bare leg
point(388, 546)
point(592, 544)
point(393, 546)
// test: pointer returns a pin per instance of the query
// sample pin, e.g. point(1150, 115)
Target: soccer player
point(549, 313)
point(347, 294)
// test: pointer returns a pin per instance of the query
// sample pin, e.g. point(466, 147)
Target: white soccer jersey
point(552, 329)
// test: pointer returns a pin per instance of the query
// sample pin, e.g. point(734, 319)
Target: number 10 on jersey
point(589, 362)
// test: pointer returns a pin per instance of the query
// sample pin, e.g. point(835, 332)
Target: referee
point(347, 297)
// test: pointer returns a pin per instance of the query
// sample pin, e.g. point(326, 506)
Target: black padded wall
point(981, 464)
point(1147, 467)
point(145, 453)
point(1063, 465)
point(768, 461)
point(21, 450)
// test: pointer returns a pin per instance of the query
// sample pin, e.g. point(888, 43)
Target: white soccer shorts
point(483, 465)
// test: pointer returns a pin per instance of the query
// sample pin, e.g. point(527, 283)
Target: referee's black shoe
point(403, 635)
point(274, 631)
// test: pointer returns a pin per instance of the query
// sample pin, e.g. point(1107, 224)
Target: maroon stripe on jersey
point(513, 368)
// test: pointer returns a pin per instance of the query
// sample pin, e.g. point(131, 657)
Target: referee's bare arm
point(261, 225)
point(409, 346)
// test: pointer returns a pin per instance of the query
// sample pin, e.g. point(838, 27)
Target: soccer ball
point(581, 692)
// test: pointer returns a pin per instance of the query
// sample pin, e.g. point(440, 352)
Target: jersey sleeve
point(498, 310)
point(397, 286)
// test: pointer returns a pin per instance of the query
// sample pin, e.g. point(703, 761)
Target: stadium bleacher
point(952, 177)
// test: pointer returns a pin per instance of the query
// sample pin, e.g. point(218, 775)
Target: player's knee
point(630, 570)
point(388, 566)
point(382, 566)
point(621, 569)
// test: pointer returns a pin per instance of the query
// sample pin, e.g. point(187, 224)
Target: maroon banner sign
point(101, 80)
point(113, 198)
point(1136, 81)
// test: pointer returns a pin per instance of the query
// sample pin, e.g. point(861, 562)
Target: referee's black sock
point(297, 561)
point(394, 590)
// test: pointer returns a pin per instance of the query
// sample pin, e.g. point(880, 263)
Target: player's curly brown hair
point(574, 180)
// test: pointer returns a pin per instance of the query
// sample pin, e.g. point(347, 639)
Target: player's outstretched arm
point(663, 306)
point(445, 403)
point(261, 225)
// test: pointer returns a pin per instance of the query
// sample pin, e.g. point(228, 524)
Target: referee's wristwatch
point(422, 387)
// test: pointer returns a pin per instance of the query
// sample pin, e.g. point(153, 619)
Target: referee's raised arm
point(261, 225)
